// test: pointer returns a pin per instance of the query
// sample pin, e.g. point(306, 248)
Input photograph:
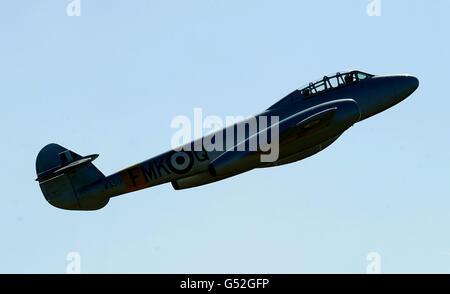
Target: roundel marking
point(180, 162)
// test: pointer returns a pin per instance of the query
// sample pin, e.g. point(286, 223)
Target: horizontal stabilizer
point(62, 174)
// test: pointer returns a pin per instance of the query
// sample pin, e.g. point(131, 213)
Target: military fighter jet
point(309, 120)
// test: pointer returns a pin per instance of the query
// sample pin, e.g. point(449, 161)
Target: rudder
point(62, 174)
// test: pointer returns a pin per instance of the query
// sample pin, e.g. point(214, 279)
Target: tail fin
point(63, 173)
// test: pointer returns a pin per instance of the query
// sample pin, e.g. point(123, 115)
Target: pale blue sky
point(111, 80)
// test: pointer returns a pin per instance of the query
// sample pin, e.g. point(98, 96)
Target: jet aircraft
point(309, 120)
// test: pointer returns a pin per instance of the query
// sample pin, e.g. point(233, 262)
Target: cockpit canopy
point(332, 82)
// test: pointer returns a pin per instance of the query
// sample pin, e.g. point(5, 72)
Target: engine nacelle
point(297, 133)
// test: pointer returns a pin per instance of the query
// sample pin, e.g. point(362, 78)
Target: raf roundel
point(180, 162)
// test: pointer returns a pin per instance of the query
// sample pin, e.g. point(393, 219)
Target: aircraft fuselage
point(307, 121)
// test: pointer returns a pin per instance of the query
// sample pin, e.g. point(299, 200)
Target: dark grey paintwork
point(69, 181)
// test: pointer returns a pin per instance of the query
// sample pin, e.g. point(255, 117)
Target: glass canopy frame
point(338, 80)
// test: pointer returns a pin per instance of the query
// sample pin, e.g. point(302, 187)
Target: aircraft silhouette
point(305, 122)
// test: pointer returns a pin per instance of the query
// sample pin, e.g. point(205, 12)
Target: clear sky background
point(111, 80)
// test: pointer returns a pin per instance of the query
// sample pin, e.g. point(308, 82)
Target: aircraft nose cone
point(386, 92)
point(408, 84)
point(412, 83)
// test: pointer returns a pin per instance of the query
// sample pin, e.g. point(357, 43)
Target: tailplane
point(62, 174)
